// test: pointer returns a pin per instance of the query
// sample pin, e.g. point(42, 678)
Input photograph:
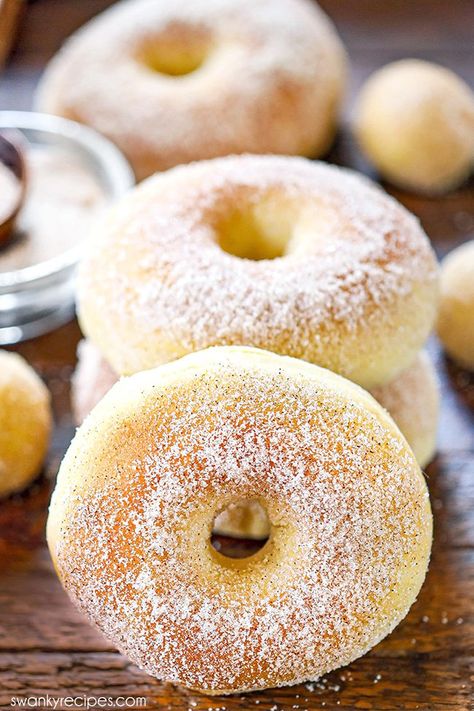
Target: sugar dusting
point(91, 380)
point(272, 80)
point(355, 292)
point(347, 503)
point(413, 400)
point(408, 394)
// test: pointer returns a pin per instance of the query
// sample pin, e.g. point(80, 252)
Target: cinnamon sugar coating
point(165, 450)
point(172, 82)
point(351, 285)
point(411, 399)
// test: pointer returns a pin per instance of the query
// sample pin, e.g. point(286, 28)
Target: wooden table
point(427, 663)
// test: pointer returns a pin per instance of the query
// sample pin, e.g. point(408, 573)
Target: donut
point(91, 380)
point(165, 450)
point(25, 423)
point(282, 253)
point(414, 120)
point(173, 82)
point(456, 313)
point(412, 400)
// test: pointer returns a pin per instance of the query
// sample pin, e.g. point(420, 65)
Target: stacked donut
point(295, 257)
point(299, 258)
point(220, 288)
point(350, 521)
point(171, 82)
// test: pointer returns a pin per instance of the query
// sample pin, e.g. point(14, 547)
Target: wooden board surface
point(428, 662)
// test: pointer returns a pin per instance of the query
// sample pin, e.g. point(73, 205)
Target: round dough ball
point(25, 423)
point(243, 519)
point(415, 122)
point(456, 313)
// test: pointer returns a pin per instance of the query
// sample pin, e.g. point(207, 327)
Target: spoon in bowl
point(12, 181)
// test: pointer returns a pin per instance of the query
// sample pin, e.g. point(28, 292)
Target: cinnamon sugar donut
point(25, 423)
point(91, 380)
point(165, 450)
point(172, 82)
point(412, 400)
point(298, 257)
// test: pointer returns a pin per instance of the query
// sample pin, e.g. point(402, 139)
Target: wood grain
point(46, 647)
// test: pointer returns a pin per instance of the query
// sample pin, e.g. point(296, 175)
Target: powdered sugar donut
point(412, 399)
point(130, 520)
point(298, 257)
point(172, 82)
point(91, 380)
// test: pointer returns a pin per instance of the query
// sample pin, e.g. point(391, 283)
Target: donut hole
point(176, 54)
point(256, 232)
point(174, 64)
point(240, 530)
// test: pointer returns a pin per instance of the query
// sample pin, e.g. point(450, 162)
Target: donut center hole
point(177, 53)
point(261, 231)
point(241, 529)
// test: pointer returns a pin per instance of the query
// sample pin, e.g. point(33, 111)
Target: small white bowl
point(39, 298)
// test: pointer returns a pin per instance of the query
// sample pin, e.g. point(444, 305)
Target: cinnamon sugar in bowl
point(73, 173)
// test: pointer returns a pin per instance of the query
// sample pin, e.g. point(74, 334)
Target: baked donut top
point(174, 81)
point(298, 257)
point(166, 449)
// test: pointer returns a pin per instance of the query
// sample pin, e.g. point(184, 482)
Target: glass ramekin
point(39, 298)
